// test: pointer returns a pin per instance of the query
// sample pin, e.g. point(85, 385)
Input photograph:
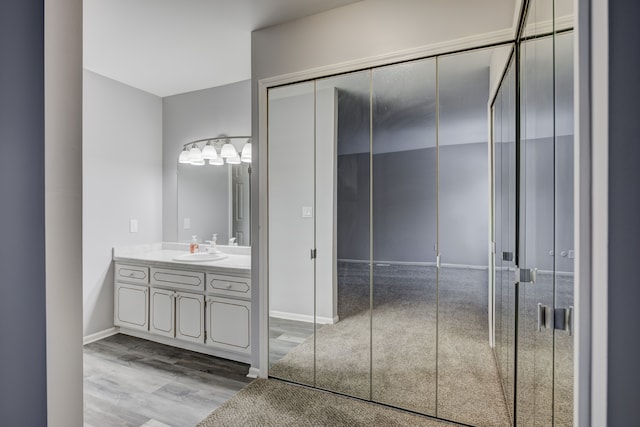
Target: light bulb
point(209, 152)
point(228, 150)
point(195, 155)
point(233, 160)
point(246, 152)
point(184, 156)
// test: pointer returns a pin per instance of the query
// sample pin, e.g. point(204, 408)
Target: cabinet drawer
point(180, 279)
point(229, 285)
point(132, 274)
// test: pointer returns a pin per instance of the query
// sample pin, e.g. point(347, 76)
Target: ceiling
point(167, 47)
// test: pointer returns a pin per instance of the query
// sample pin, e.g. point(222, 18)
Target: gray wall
point(40, 189)
point(624, 212)
point(222, 110)
point(23, 385)
point(122, 175)
point(404, 205)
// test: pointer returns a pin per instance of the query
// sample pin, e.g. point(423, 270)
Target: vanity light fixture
point(184, 156)
point(209, 152)
point(217, 151)
point(195, 155)
point(233, 160)
point(228, 150)
point(246, 152)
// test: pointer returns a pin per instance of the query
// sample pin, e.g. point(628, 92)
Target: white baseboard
point(303, 317)
point(422, 264)
point(253, 372)
point(100, 335)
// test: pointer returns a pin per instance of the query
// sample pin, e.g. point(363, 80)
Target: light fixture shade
point(195, 155)
point(209, 152)
point(228, 150)
point(184, 156)
point(218, 161)
point(246, 152)
point(198, 162)
point(233, 160)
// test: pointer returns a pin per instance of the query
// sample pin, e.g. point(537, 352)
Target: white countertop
point(237, 257)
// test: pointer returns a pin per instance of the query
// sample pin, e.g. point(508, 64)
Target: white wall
point(63, 208)
point(122, 174)
point(222, 110)
point(302, 173)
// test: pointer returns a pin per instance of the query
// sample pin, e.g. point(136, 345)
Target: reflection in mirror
point(291, 231)
point(343, 347)
point(404, 230)
point(469, 389)
point(504, 148)
point(214, 200)
point(535, 345)
point(564, 249)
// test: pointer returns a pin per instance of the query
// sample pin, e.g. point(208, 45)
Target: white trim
point(416, 263)
point(308, 318)
point(479, 40)
point(253, 372)
point(599, 141)
point(263, 231)
point(100, 335)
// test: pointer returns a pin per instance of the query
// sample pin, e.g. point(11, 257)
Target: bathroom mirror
point(214, 199)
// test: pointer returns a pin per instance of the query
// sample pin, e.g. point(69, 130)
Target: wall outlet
point(187, 223)
point(133, 226)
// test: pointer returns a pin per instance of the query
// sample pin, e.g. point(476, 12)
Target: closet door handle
point(542, 316)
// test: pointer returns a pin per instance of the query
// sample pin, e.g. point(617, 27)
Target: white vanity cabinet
point(163, 312)
point(229, 323)
point(200, 308)
point(190, 317)
point(131, 297)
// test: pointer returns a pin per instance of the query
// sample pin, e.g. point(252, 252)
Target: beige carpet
point(440, 366)
point(271, 402)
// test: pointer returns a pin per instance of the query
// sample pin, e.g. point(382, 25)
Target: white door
point(163, 312)
point(131, 306)
point(228, 323)
point(190, 317)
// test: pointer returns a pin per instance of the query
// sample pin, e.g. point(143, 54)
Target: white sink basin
point(200, 257)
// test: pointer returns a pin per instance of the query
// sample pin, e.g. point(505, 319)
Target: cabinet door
point(228, 324)
point(190, 317)
point(163, 313)
point(131, 306)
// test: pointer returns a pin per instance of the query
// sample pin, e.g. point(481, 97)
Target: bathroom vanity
point(203, 306)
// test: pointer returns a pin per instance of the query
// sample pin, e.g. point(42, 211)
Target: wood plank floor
point(134, 382)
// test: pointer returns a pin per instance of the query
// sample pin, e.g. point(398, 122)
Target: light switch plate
point(133, 226)
point(307, 212)
point(187, 223)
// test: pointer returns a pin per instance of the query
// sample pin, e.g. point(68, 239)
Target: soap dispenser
point(213, 248)
point(193, 246)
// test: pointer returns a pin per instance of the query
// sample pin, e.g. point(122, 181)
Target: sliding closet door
point(291, 157)
point(469, 389)
point(504, 148)
point(404, 229)
point(537, 238)
point(564, 249)
point(343, 273)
